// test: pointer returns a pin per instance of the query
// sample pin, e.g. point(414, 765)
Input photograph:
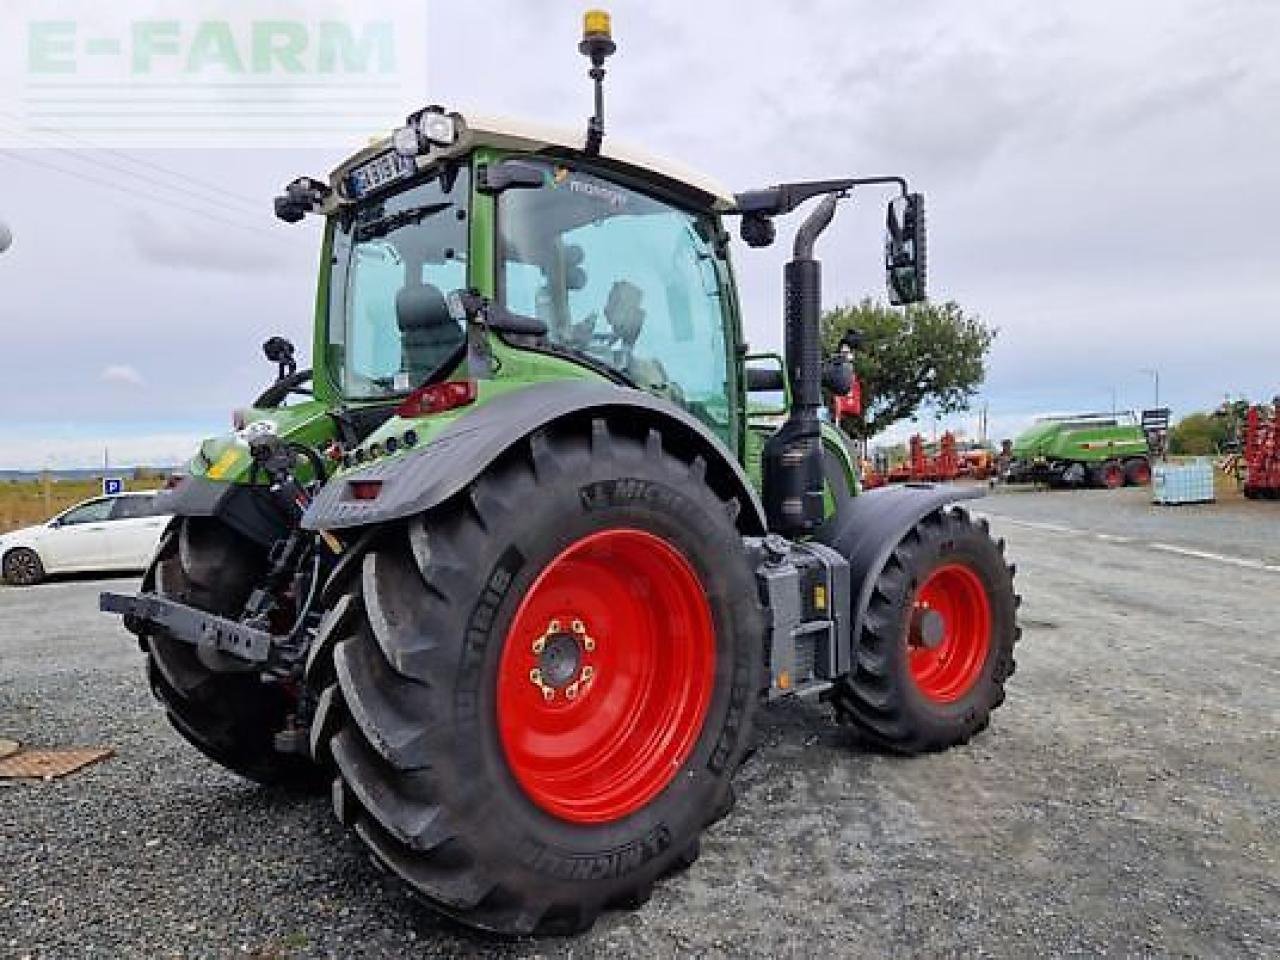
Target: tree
point(1197, 434)
point(931, 354)
point(1204, 434)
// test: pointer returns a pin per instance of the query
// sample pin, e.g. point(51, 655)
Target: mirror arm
point(785, 197)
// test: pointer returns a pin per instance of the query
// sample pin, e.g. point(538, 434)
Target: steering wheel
point(275, 394)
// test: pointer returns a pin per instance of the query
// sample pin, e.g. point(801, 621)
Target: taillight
point(364, 489)
point(438, 398)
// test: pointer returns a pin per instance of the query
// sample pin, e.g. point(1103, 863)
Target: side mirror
point(510, 174)
point(905, 250)
point(769, 376)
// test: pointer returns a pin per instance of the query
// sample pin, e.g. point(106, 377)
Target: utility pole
point(1155, 375)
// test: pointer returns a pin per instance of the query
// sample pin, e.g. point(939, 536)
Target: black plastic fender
point(251, 511)
point(869, 526)
point(440, 469)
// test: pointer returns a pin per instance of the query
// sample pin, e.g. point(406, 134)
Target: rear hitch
point(248, 644)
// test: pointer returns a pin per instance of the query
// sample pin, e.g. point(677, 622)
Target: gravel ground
point(1234, 526)
point(1126, 801)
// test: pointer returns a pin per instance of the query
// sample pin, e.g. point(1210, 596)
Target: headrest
point(422, 306)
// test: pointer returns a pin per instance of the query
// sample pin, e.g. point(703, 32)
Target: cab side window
point(623, 278)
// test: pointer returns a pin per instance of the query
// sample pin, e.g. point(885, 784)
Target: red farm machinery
point(1262, 452)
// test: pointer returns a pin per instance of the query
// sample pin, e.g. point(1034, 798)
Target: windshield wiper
point(394, 221)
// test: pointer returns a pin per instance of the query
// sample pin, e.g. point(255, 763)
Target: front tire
point(544, 687)
point(231, 718)
point(22, 567)
point(936, 645)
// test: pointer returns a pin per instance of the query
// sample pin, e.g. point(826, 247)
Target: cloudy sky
point(1102, 183)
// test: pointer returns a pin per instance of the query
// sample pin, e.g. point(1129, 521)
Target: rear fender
point(418, 481)
point(870, 525)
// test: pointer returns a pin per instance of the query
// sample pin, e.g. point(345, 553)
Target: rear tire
point(508, 808)
point(229, 717)
point(22, 567)
point(1137, 472)
point(1110, 475)
point(920, 682)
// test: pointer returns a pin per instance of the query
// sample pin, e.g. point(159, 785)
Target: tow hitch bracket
point(191, 625)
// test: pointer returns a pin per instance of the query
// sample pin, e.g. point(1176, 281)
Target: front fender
point(413, 483)
point(870, 525)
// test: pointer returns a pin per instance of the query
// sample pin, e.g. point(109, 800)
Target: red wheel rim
point(1141, 473)
point(627, 651)
point(1113, 476)
point(949, 634)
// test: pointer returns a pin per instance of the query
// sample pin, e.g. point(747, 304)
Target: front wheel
point(231, 718)
point(542, 690)
point(936, 645)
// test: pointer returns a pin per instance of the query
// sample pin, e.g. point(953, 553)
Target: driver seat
point(428, 333)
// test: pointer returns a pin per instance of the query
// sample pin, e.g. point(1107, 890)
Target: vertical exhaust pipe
point(792, 461)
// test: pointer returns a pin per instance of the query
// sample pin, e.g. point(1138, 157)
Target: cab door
point(80, 539)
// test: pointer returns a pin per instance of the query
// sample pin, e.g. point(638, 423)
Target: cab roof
point(511, 134)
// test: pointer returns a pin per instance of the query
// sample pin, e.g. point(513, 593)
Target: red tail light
point(365, 489)
point(438, 398)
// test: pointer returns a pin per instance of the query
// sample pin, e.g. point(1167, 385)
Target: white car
point(99, 535)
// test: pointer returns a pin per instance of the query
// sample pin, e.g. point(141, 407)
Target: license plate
point(377, 173)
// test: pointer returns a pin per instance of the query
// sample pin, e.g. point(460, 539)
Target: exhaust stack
point(793, 479)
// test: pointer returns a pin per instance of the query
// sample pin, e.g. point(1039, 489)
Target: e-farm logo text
point(208, 72)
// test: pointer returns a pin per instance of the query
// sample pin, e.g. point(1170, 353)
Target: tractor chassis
point(804, 587)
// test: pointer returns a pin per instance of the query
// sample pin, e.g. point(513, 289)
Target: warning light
point(596, 24)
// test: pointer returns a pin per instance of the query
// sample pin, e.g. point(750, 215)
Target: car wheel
point(22, 567)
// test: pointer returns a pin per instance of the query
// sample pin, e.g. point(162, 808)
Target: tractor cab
point(610, 266)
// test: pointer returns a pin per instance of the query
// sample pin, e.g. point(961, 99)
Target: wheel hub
point(562, 668)
point(928, 629)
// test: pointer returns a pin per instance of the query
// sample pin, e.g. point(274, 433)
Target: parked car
point(103, 534)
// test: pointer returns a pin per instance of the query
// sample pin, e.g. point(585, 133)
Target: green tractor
point(512, 567)
point(1107, 450)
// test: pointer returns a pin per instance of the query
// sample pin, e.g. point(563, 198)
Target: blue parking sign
point(112, 485)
